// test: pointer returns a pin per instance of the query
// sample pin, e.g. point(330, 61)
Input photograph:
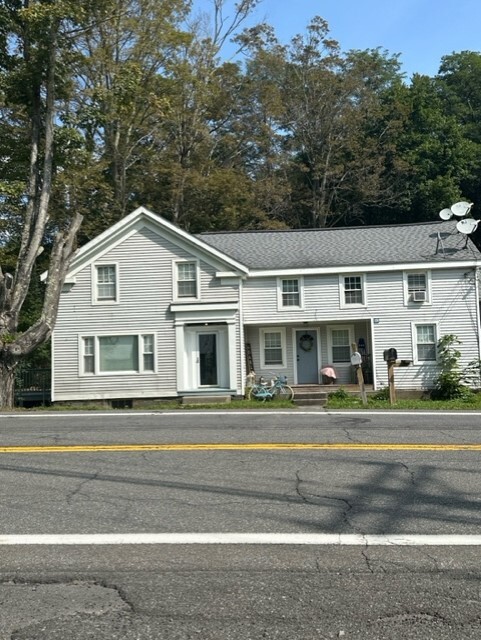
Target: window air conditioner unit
point(419, 296)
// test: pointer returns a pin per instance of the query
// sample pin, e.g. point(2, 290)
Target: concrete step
point(309, 394)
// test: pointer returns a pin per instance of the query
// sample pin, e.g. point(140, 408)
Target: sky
point(421, 31)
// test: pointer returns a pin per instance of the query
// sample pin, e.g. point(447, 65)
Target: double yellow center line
point(248, 446)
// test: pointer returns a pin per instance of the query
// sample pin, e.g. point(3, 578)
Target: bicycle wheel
point(286, 392)
point(256, 392)
point(250, 392)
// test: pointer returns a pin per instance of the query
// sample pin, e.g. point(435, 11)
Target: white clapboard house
point(151, 311)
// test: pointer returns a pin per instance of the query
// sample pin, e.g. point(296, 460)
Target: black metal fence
point(32, 386)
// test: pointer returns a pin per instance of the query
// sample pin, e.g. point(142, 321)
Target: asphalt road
point(233, 591)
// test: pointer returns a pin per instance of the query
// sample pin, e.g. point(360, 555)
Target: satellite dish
point(467, 226)
point(446, 214)
point(460, 209)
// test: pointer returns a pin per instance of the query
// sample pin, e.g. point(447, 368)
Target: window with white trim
point(88, 355)
point(340, 345)
point(187, 285)
point(417, 287)
point(118, 354)
point(289, 293)
point(106, 283)
point(148, 352)
point(352, 291)
point(273, 347)
point(425, 342)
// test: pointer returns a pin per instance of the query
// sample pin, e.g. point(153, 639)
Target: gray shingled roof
point(349, 246)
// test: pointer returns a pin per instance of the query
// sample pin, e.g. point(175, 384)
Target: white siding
point(453, 308)
point(145, 295)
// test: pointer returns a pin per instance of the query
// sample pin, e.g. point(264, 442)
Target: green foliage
point(339, 394)
point(449, 383)
point(382, 394)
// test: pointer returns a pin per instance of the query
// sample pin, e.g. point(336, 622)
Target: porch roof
point(419, 243)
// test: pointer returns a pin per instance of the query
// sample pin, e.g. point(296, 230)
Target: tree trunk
point(7, 383)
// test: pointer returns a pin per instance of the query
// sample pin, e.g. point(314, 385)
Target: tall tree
point(33, 59)
point(332, 107)
point(434, 146)
point(122, 94)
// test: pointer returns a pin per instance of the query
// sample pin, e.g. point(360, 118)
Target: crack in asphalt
point(78, 489)
point(411, 473)
point(306, 500)
point(366, 558)
point(348, 435)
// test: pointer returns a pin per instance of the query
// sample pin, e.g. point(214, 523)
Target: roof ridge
point(311, 229)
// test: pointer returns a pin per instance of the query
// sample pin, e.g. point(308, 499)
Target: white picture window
point(187, 285)
point(273, 348)
point(352, 291)
point(118, 354)
point(425, 338)
point(106, 283)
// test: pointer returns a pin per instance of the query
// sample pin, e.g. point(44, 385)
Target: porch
point(301, 351)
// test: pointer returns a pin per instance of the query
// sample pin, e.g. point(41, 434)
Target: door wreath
point(306, 342)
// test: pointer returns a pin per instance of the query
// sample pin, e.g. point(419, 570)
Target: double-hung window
point(148, 352)
point(289, 293)
point(118, 354)
point(187, 280)
point(425, 339)
point(105, 283)
point(88, 355)
point(340, 339)
point(352, 291)
point(273, 347)
point(417, 287)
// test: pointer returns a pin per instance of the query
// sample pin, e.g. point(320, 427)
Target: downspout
point(241, 334)
point(373, 357)
point(478, 312)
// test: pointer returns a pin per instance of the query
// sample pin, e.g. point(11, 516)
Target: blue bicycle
point(278, 388)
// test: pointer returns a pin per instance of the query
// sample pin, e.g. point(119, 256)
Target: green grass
point(337, 400)
point(353, 402)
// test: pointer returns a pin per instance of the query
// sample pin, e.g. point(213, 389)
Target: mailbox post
point(356, 361)
point(390, 356)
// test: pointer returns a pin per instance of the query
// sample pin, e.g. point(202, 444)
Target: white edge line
point(243, 538)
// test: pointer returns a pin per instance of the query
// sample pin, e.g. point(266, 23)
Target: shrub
point(382, 394)
point(449, 383)
point(340, 394)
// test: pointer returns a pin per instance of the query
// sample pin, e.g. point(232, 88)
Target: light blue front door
point(306, 355)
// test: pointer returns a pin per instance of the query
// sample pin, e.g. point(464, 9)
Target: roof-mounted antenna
point(440, 242)
point(466, 226)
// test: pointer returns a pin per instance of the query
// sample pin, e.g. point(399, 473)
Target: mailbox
point(390, 354)
point(356, 359)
